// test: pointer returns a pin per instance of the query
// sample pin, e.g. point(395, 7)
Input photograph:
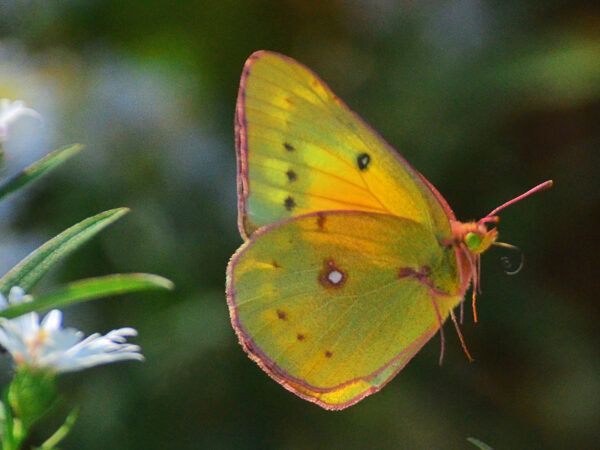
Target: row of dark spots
point(282, 315)
point(289, 202)
point(292, 176)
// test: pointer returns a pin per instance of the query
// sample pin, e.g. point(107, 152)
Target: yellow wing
point(333, 304)
point(300, 150)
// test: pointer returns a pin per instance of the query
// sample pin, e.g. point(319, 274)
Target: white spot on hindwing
point(335, 276)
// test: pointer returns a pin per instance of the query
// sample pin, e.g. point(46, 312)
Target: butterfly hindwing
point(301, 150)
point(333, 304)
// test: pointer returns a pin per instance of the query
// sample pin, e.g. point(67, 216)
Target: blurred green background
point(486, 99)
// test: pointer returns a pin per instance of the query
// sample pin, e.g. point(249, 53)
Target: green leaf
point(87, 289)
point(479, 444)
point(38, 169)
point(30, 270)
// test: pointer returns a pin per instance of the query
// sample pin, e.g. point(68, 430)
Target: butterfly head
point(475, 236)
point(480, 240)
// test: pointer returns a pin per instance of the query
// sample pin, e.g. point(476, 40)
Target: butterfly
point(352, 260)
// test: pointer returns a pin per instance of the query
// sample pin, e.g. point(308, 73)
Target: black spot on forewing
point(292, 176)
point(289, 203)
point(281, 314)
point(289, 147)
point(363, 161)
point(328, 354)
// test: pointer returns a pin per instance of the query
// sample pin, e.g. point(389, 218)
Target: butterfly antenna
point(491, 217)
point(506, 262)
point(460, 336)
point(479, 274)
point(439, 318)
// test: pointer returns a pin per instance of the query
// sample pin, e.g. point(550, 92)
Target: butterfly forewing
point(301, 150)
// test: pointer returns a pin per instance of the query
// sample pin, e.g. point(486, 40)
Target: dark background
point(486, 99)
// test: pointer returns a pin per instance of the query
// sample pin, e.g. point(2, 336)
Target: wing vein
point(307, 194)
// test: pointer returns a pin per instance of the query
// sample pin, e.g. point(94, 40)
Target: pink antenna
point(539, 187)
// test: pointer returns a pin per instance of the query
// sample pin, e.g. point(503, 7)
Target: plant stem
point(62, 432)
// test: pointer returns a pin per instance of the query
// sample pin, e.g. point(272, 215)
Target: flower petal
point(46, 344)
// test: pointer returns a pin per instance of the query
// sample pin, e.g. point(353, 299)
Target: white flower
point(11, 112)
point(15, 296)
point(46, 344)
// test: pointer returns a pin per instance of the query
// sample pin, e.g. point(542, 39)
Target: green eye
point(473, 241)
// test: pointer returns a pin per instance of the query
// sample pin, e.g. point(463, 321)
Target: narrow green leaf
point(31, 269)
point(38, 169)
point(479, 444)
point(89, 288)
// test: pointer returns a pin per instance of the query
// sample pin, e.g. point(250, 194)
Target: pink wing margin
point(241, 146)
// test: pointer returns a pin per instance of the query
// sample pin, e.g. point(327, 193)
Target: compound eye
point(473, 241)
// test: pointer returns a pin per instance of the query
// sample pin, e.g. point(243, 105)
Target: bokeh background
point(485, 98)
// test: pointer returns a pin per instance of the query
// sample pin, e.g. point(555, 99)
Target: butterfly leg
point(460, 336)
point(476, 268)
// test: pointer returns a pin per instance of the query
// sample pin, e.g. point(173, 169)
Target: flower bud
point(31, 393)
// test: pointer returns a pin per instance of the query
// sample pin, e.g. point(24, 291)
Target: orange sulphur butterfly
point(352, 260)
